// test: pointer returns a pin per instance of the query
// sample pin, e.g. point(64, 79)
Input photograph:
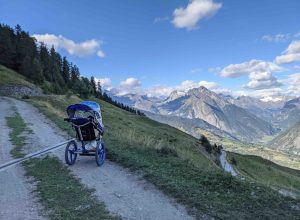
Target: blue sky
point(168, 42)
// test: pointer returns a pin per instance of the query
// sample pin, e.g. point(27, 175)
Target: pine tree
point(26, 67)
point(45, 61)
point(75, 74)
point(37, 74)
point(25, 46)
point(66, 70)
point(94, 87)
point(7, 46)
point(99, 90)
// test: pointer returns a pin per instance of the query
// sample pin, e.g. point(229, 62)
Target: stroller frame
point(87, 125)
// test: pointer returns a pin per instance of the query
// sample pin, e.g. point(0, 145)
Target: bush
point(25, 97)
point(233, 161)
point(206, 144)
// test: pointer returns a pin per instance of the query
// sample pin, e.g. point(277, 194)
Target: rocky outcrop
point(19, 90)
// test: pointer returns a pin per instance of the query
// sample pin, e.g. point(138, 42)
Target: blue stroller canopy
point(84, 106)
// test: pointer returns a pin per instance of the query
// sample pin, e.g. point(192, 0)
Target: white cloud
point(272, 82)
point(294, 47)
point(82, 49)
point(160, 19)
point(215, 70)
point(183, 87)
point(291, 54)
point(277, 37)
point(186, 85)
point(195, 70)
point(100, 54)
point(259, 72)
point(105, 83)
point(195, 11)
point(293, 82)
point(209, 85)
point(288, 58)
point(280, 37)
point(258, 66)
point(159, 91)
point(270, 94)
point(130, 85)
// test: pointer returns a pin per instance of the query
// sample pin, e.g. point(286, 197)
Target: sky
point(155, 47)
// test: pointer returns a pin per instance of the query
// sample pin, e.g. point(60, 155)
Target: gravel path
point(123, 192)
point(16, 199)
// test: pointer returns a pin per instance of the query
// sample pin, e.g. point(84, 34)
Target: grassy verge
point(267, 172)
point(61, 194)
point(178, 165)
point(18, 126)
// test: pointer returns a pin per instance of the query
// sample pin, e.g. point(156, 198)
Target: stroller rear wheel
point(100, 154)
point(70, 155)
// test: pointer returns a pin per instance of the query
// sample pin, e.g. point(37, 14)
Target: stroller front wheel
point(100, 154)
point(70, 155)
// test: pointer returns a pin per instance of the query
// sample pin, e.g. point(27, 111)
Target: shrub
point(206, 144)
point(233, 161)
point(25, 97)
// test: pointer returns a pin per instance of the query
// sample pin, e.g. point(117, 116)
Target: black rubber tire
point(100, 154)
point(70, 157)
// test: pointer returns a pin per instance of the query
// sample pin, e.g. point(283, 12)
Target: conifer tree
point(37, 74)
point(99, 90)
point(66, 70)
point(45, 61)
point(94, 87)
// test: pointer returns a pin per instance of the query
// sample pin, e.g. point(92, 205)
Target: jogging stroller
point(85, 118)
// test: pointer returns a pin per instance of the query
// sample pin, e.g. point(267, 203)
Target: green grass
point(178, 165)
point(61, 194)
point(18, 126)
point(267, 172)
point(10, 77)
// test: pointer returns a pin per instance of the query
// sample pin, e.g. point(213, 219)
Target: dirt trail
point(17, 201)
point(123, 192)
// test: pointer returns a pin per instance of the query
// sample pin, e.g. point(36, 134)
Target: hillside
point(12, 83)
point(266, 172)
point(287, 141)
point(169, 158)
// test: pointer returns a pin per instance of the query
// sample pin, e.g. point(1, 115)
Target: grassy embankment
point(267, 172)
point(178, 165)
point(10, 77)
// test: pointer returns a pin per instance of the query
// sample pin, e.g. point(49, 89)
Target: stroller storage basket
point(84, 128)
point(87, 132)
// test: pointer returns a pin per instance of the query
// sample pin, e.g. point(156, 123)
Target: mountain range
point(243, 118)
